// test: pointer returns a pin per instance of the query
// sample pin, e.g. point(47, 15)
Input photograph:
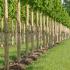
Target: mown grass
point(57, 58)
point(13, 52)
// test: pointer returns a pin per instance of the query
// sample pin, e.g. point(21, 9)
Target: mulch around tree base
point(26, 60)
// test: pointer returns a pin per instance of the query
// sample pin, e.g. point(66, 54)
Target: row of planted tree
point(38, 31)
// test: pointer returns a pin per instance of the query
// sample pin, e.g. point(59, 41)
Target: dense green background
point(67, 5)
point(52, 8)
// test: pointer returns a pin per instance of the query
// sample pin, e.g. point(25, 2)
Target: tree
point(6, 47)
point(18, 30)
point(67, 5)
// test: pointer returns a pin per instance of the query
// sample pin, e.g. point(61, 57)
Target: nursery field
point(13, 52)
point(28, 28)
point(57, 58)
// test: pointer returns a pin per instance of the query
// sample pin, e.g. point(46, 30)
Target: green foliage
point(1, 8)
point(52, 8)
point(67, 5)
point(12, 8)
point(57, 58)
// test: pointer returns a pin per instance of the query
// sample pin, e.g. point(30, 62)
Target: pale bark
point(32, 29)
point(46, 35)
point(26, 28)
point(60, 31)
point(43, 31)
point(53, 30)
point(18, 31)
point(57, 34)
point(40, 33)
point(2, 23)
point(37, 31)
point(47, 31)
point(50, 44)
point(12, 33)
point(51, 22)
point(6, 47)
point(54, 33)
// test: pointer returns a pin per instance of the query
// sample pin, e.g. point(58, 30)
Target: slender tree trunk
point(32, 29)
point(2, 26)
point(60, 32)
point(51, 31)
point(18, 31)
point(57, 34)
point(40, 33)
point(69, 33)
point(26, 28)
point(12, 33)
point(47, 31)
point(54, 33)
point(2, 33)
point(6, 47)
point(43, 31)
point(37, 31)
point(64, 32)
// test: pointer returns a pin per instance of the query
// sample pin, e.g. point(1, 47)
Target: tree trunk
point(37, 31)
point(40, 33)
point(18, 31)
point(12, 33)
point(2, 26)
point(51, 31)
point(54, 33)
point(32, 29)
point(43, 31)
point(47, 31)
point(26, 28)
point(6, 47)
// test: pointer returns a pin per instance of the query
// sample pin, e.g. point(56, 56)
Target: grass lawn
point(57, 58)
point(13, 52)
